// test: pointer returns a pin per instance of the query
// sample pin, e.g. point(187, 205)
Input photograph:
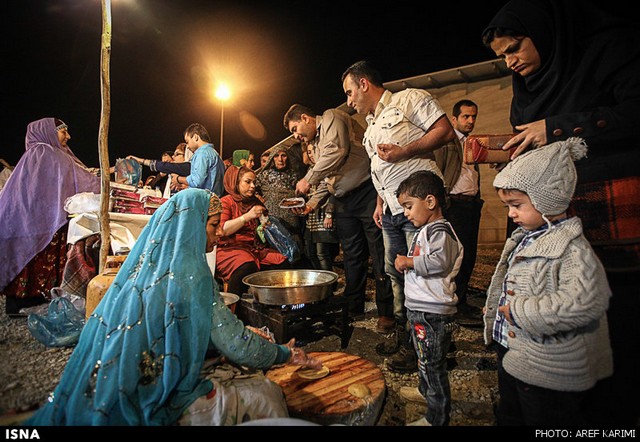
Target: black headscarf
point(590, 63)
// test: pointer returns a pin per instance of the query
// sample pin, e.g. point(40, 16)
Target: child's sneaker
point(422, 422)
point(412, 394)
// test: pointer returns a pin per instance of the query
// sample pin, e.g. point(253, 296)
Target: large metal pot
point(284, 287)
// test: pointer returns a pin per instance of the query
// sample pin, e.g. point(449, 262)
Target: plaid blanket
point(610, 214)
point(82, 265)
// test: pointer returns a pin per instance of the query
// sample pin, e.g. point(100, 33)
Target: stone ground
point(29, 371)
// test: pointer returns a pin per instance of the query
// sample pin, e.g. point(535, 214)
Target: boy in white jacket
point(546, 304)
point(432, 263)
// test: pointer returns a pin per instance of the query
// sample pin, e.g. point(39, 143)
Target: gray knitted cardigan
point(558, 294)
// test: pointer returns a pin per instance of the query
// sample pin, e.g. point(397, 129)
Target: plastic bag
point(82, 202)
point(56, 292)
point(60, 327)
point(279, 238)
point(128, 171)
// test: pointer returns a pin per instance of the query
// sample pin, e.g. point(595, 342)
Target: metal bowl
point(284, 287)
point(230, 300)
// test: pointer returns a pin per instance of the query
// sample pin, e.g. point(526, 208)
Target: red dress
point(243, 246)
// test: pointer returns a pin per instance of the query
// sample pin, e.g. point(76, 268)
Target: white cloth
point(238, 396)
point(125, 228)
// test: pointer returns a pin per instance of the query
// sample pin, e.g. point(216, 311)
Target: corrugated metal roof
point(485, 70)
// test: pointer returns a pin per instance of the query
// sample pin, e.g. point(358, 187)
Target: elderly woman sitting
point(240, 251)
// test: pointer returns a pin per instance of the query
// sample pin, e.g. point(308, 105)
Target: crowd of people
point(561, 307)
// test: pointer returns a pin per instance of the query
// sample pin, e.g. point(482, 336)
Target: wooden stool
point(328, 401)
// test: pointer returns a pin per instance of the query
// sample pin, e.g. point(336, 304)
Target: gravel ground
point(29, 371)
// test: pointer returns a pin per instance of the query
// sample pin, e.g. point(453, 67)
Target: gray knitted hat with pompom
point(546, 174)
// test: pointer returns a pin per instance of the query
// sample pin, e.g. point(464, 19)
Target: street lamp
point(223, 93)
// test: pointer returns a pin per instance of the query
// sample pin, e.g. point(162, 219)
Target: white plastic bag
point(82, 203)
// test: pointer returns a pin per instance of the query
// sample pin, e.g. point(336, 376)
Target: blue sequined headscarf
point(139, 356)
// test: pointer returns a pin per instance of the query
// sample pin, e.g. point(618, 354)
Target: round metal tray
point(285, 287)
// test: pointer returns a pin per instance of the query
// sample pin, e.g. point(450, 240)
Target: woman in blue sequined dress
point(140, 356)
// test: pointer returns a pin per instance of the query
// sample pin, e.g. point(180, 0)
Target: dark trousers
point(464, 215)
point(608, 395)
point(360, 238)
point(321, 254)
point(525, 404)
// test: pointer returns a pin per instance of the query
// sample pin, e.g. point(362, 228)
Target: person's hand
point(302, 211)
point(302, 187)
point(390, 153)
point(506, 311)
point(401, 263)
point(327, 223)
point(532, 135)
point(377, 216)
point(256, 212)
point(299, 357)
point(138, 160)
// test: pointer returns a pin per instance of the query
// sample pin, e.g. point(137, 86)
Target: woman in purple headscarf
point(33, 234)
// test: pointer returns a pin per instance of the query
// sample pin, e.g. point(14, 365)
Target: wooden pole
point(221, 126)
point(103, 133)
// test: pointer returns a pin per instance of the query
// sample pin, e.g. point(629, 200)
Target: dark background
point(167, 55)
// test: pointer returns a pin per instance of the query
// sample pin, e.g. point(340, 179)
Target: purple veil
point(32, 201)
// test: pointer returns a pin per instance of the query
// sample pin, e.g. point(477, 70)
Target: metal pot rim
point(248, 279)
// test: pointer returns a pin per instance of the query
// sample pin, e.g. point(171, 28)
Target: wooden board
point(327, 401)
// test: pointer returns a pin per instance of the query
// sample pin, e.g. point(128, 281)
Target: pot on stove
point(285, 287)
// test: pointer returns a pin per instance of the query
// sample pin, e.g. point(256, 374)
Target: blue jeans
point(397, 233)
point(431, 335)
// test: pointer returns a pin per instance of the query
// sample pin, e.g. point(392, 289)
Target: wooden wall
point(494, 99)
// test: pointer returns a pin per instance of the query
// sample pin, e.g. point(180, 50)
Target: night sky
point(167, 56)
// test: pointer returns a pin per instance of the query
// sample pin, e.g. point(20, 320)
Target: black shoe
point(404, 361)
point(392, 346)
point(388, 348)
point(487, 364)
point(356, 309)
point(469, 316)
point(357, 316)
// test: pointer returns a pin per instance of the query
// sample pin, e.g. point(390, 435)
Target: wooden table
point(328, 401)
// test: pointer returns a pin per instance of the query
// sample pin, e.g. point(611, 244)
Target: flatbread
point(312, 373)
point(359, 390)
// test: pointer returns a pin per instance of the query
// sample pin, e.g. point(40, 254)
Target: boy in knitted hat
point(546, 304)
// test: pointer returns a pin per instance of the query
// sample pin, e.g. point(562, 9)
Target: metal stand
point(287, 322)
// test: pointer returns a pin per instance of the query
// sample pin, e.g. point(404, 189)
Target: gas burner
point(287, 321)
point(291, 307)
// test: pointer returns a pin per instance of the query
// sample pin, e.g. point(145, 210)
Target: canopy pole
point(103, 133)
